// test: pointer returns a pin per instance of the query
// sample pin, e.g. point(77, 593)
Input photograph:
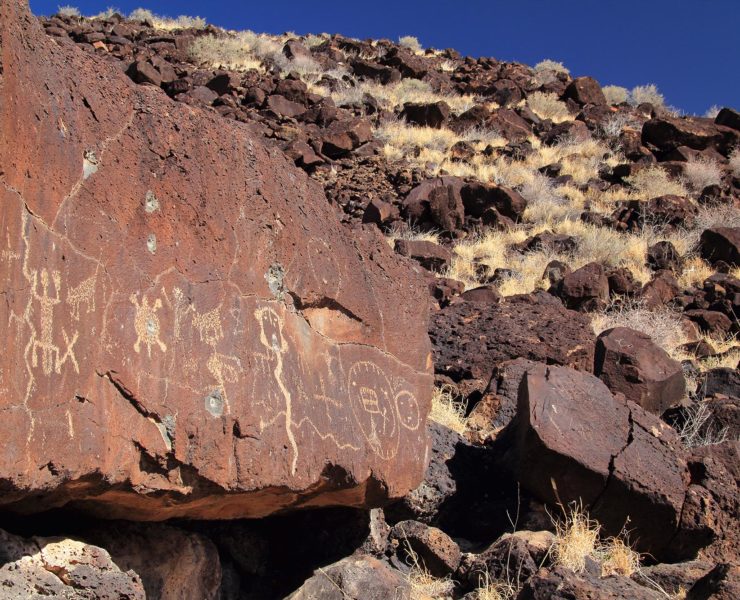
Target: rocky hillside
point(315, 317)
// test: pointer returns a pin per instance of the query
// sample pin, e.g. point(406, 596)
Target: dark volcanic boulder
point(432, 547)
point(436, 201)
point(585, 289)
point(196, 333)
point(564, 584)
point(428, 115)
point(430, 255)
point(478, 197)
point(470, 339)
point(576, 442)
point(585, 90)
point(668, 133)
point(721, 243)
point(629, 362)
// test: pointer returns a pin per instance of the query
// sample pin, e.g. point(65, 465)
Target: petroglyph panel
point(191, 332)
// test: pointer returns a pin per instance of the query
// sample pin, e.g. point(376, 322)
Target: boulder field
point(357, 320)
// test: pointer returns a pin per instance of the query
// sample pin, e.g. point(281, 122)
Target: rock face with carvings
point(191, 333)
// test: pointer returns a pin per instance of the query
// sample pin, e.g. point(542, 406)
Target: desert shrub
point(646, 93)
point(653, 182)
point(107, 13)
point(723, 215)
point(698, 427)
point(141, 15)
point(550, 65)
point(546, 105)
point(735, 162)
point(702, 172)
point(410, 42)
point(614, 125)
point(615, 94)
point(449, 409)
point(68, 11)
point(311, 40)
point(712, 112)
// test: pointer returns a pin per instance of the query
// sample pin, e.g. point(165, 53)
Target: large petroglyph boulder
point(188, 329)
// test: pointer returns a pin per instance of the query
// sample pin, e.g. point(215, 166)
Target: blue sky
point(689, 48)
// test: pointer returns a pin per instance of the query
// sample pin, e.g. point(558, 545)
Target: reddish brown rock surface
point(189, 339)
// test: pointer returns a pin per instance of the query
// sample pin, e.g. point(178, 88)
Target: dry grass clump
point(653, 182)
point(410, 233)
point(167, 23)
point(735, 162)
point(546, 105)
point(595, 244)
point(662, 325)
point(615, 94)
point(312, 40)
point(646, 93)
point(233, 53)
point(618, 558)
point(449, 409)
point(105, 14)
point(577, 539)
point(68, 11)
point(427, 147)
point(702, 172)
point(727, 358)
point(424, 585)
point(410, 42)
point(698, 428)
point(695, 272)
point(394, 96)
point(489, 589)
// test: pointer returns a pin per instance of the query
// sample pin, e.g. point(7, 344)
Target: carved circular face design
point(408, 410)
point(374, 408)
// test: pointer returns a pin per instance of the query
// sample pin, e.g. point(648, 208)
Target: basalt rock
point(576, 442)
point(355, 577)
point(471, 339)
point(629, 362)
point(195, 333)
point(62, 568)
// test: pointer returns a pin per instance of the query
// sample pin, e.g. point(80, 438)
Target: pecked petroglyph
point(272, 339)
point(41, 347)
point(84, 293)
point(146, 324)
